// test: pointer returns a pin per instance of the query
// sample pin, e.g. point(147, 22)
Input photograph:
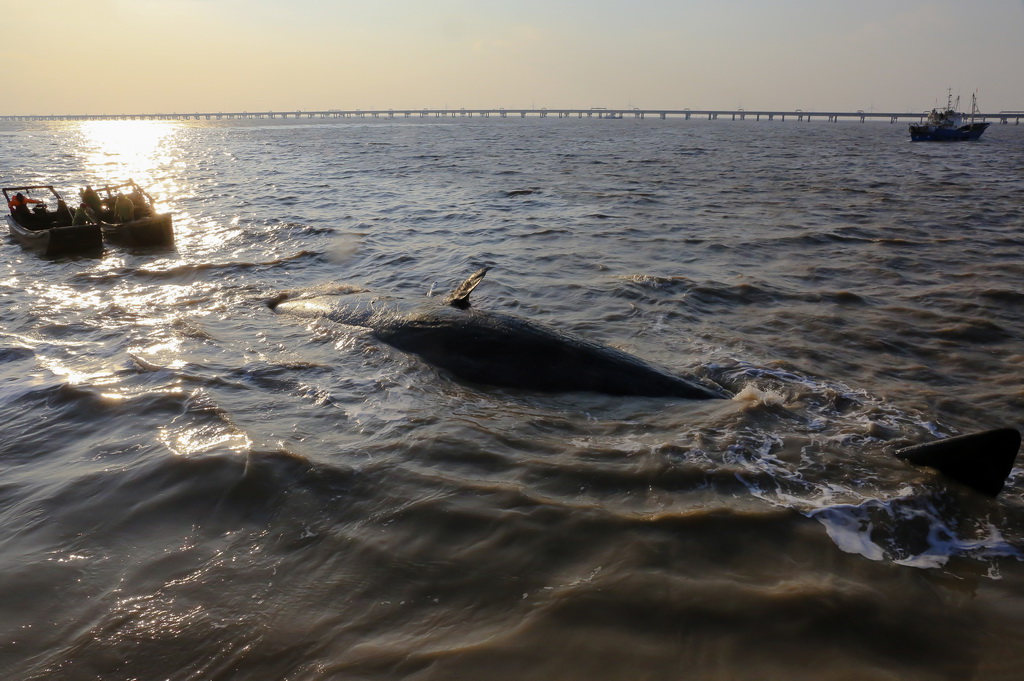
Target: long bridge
point(597, 112)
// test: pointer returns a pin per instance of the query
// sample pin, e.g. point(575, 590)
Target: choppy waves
point(203, 489)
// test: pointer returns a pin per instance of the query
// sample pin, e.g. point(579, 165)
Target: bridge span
point(603, 113)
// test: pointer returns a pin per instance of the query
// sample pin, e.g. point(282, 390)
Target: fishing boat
point(140, 225)
point(40, 221)
point(948, 124)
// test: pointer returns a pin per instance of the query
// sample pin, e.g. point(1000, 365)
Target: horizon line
point(561, 112)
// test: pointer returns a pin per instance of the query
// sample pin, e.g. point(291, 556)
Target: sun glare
point(118, 150)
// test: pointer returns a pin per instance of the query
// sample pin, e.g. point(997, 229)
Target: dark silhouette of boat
point(146, 228)
point(949, 125)
point(46, 226)
point(40, 220)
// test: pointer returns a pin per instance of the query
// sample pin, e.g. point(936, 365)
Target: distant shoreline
point(1004, 117)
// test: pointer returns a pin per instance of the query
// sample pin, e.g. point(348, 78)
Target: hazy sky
point(123, 56)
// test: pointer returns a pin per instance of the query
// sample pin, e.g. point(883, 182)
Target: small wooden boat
point(144, 228)
point(154, 230)
point(47, 228)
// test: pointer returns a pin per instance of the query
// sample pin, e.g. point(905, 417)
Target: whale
point(509, 351)
point(497, 349)
point(982, 461)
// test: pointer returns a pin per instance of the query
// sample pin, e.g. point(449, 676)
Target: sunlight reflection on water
point(135, 149)
point(152, 401)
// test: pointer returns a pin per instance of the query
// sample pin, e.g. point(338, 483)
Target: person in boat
point(92, 200)
point(142, 206)
point(63, 216)
point(20, 201)
point(124, 209)
point(19, 206)
point(81, 215)
point(137, 197)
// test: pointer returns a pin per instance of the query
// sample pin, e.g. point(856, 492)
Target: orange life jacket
point(20, 200)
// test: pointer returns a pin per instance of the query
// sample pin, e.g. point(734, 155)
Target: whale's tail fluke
point(460, 297)
point(982, 461)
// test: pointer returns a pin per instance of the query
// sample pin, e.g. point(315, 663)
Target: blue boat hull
point(931, 133)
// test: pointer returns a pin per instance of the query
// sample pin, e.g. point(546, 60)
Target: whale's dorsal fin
point(982, 461)
point(460, 297)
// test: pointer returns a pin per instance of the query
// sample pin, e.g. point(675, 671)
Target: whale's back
point(512, 352)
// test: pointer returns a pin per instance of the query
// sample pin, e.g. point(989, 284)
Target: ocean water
point(192, 487)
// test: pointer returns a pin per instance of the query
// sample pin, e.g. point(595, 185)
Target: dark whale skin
point(493, 348)
point(513, 352)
